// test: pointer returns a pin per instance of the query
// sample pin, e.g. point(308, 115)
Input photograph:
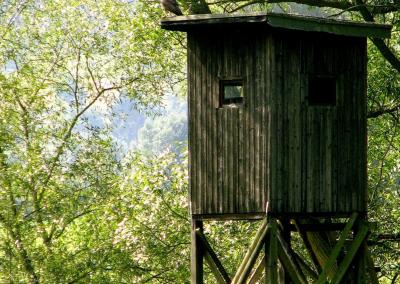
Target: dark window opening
point(322, 91)
point(231, 92)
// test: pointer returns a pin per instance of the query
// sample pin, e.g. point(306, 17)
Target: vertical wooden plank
point(340, 205)
point(196, 193)
point(303, 121)
point(251, 114)
point(215, 54)
point(283, 117)
point(230, 158)
point(267, 125)
point(262, 123)
point(328, 161)
point(241, 183)
point(235, 154)
point(207, 128)
point(246, 133)
point(220, 133)
point(191, 111)
point(220, 149)
point(346, 197)
point(309, 158)
point(292, 90)
point(198, 124)
point(321, 164)
point(278, 94)
point(271, 130)
point(256, 58)
point(297, 130)
point(203, 110)
point(363, 118)
point(225, 194)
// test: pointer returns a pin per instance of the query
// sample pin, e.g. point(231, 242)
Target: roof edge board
point(277, 20)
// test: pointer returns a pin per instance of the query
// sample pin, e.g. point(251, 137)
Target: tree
point(65, 63)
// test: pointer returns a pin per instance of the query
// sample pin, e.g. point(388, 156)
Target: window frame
point(236, 101)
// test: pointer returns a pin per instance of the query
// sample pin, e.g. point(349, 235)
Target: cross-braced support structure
point(338, 252)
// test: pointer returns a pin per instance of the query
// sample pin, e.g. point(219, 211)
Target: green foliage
point(384, 164)
point(66, 63)
point(165, 132)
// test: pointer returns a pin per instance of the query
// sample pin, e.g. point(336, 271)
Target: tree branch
point(341, 5)
point(23, 254)
point(382, 111)
point(379, 43)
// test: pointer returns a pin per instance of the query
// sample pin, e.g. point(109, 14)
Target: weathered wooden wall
point(318, 153)
point(228, 146)
point(303, 159)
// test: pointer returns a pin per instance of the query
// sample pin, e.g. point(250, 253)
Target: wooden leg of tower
point(285, 278)
point(271, 272)
point(360, 266)
point(196, 254)
point(371, 267)
point(360, 261)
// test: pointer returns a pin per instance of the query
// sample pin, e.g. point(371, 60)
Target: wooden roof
point(276, 20)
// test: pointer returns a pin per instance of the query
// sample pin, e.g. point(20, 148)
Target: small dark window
point(231, 92)
point(322, 91)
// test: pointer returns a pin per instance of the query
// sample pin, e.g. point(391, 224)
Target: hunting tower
point(277, 131)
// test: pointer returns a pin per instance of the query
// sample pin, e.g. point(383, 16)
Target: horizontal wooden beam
point(319, 227)
point(221, 217)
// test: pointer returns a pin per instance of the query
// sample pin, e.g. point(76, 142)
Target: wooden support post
point(371, 267)
point(360, 258)
point(271, 274)
point(285, 234)
point(196, 254)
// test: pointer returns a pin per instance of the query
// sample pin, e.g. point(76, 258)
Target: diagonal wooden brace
point(336, 250)
point(212, 260)
point(288, 261)
point(252, 254)
point(354, 247)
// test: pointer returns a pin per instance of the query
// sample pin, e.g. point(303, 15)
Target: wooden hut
point(277, 114)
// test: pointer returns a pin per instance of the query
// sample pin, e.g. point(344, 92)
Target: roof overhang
point(276, 20)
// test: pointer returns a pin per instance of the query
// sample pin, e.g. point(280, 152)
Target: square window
point(231, 92)
point(322, 91)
